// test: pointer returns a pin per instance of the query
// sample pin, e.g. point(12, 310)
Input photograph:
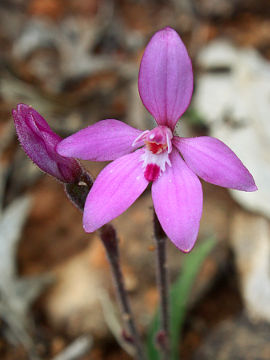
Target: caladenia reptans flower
point(39, 143)
point(171, 163)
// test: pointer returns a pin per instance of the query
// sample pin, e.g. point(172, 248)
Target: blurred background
point(76, 62)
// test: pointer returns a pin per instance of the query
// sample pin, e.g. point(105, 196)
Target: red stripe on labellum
point(151, 172)
point(156, 148)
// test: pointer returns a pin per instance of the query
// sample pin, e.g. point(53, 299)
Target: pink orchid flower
point(171, 163)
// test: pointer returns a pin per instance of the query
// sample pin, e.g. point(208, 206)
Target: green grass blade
point(179, 295)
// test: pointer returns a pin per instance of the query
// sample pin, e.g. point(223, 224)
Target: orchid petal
point(166, 78)
point(215, 162)
point(115, 189)
point(177, 198)
point(103, 141)
point(27, 111)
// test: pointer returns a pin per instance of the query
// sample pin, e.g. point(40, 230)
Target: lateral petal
point(118, 185)
point(215, 162)
point(106, 140)
point(165, 77)
point(177, 197)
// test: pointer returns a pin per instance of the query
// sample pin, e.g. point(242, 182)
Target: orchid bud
point(39, 142)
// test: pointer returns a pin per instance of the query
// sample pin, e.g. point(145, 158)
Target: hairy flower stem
point(77, 194)
point(110, 241)
point(163, 336)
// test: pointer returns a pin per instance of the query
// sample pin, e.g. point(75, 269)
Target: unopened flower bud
point(39, 142)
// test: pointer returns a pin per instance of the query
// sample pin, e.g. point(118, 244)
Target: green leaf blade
point(179, 296)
